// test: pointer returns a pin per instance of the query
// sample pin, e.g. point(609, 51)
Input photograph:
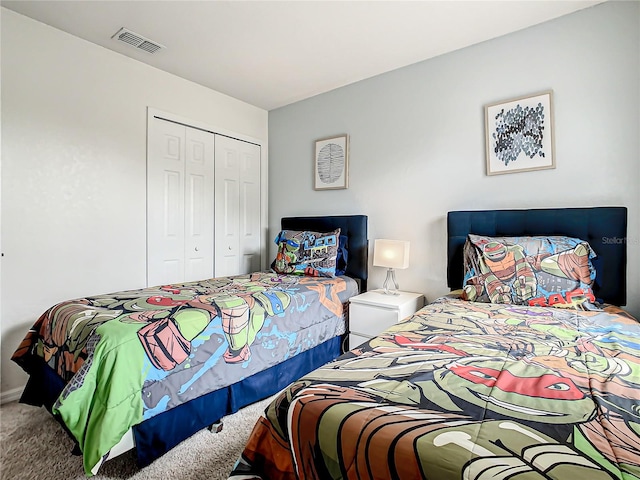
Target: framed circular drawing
point(331, 163)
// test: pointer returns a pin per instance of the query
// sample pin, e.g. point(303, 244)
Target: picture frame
point(331, 163)
point(520, 134)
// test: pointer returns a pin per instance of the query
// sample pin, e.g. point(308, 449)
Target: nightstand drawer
point(372, 312)
point(370, 320)
point(356, 340)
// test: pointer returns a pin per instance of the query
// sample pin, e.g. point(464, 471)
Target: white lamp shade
point(391, 253)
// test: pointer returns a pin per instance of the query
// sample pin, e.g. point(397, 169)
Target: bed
point(148, 368)
point(474, 388)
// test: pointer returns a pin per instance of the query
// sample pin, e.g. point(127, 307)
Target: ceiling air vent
point(137, 41)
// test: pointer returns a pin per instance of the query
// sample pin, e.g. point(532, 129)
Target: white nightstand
point(372, 312)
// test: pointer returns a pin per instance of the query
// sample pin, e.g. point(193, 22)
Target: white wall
point(74, 168)
point(417, 138)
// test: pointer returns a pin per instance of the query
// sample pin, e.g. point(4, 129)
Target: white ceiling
point(273, 53)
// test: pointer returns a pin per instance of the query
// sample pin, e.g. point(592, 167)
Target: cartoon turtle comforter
point(128, 356)
point(465, 390)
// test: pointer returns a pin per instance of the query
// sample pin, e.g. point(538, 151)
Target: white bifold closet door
point(180, 196)
point(237, 207)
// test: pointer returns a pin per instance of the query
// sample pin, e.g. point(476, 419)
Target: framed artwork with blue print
point(519, 134)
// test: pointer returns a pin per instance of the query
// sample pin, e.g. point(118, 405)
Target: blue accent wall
point(417, 139)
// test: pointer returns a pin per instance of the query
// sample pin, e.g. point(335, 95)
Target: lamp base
point(390, 285)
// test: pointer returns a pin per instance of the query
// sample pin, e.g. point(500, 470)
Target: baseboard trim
point(11, 395)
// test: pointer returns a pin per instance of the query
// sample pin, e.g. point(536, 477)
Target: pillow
point(343, 255)
point(544, 271)
point(307, 253)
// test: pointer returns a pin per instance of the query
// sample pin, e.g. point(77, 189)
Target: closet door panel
point(199, 197)
point(250, 207)
point(165, 203)
point(227, 247)
point(227, 207)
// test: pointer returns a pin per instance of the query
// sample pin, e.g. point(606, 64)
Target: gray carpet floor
point(34, 446)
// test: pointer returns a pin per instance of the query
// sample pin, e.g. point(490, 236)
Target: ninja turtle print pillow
point(537, 271)
point(307, 253)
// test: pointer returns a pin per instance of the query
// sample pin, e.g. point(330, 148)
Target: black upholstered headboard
point(605, 228)
point(353, 226)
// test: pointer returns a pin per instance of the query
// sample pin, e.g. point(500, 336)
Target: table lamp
point(391, 254)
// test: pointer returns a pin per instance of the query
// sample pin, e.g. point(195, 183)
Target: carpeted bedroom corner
point(33, 446)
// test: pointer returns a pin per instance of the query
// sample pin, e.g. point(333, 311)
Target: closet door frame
point(264, 168)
